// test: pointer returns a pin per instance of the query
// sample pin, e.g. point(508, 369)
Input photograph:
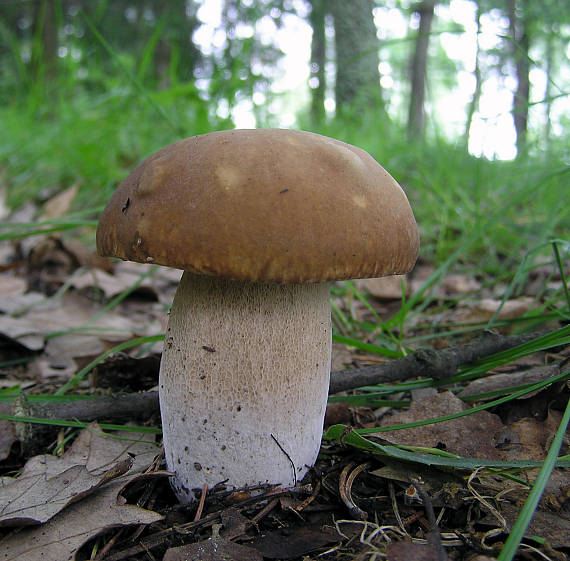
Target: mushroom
point(260, 221)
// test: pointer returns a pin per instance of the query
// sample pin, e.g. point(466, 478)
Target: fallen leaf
point(337, 413)
point(483, 310)
point(59, 204)
point(161, 284)
point(341, 357)
point(406, 551)
point(234, 523)
point(383, 288)
point(74, 310)
point(34, 498)
point(216, 549)
point(470, 436)
point(546, 525)
point(453, 285)
point(502, 381)
point(65, 533)
point(20, 304)
point(22, 331)
point(7, 432)
point(286, 543)
point(531, 438)
point(444, 488)
point(69, 352)
point(10, 287)
point(48, 483)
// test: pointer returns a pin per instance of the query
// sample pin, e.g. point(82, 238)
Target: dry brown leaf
point(7, 432)
point(502, 381)
point(59, 204)
point(10, 287)
point(19, 304)
point(216, 549)
point(65, 533)
point(341, 357)
point(110, 284)
point(86, 256)
point(34, 497)
point(406, 551)
point(530, 438)
point(234, 523)
point(483, 310)
point(23, 331)
point(545, 525)
point(470, 436)
point(66, 354)
point(162, 284)
point(48, 483)
point(285, 544)
point(453, 285)
point(383, 288)
point(74, 310)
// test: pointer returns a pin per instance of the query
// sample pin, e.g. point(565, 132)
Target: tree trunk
point(416, 113)
point(44, 48)
point(356, 43)
point(548, 90)
point(162, 63)
point(518, 26)
point(318, 60)
point(175, 54)
point(477, 73)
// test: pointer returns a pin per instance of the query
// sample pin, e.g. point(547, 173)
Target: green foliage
point(91, 140)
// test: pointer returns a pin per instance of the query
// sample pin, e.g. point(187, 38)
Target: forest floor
point(90, 481)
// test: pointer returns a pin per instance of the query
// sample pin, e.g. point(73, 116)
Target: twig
point(121, 407)
point(421, 363)
point(427, 363)
point(434, 537)
point(345, 482)
point(201, 503)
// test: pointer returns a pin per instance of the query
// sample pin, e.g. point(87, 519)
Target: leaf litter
point(61, 504)
point(72, 498)
point(49, 483)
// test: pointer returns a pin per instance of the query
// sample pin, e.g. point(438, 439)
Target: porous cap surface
point(262, 205)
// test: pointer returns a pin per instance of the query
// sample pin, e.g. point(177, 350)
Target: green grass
point(91, 141)
point(493, 211)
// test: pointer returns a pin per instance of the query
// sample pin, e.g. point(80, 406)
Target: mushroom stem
point(244, 381)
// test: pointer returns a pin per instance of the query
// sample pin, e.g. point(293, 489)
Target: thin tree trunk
point(318, 60)
point(44, 50)
point(162, 63)
point(474, 104)
point(521, 42)
point(356, 44)
point(416, 113)
point(548, 89)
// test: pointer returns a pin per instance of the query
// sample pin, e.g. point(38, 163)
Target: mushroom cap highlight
point(267, 205)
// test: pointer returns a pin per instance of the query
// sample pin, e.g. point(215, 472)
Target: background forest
point(90, 88)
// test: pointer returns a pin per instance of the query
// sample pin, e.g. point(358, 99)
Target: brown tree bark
point(356, 44)
point(416, 112)
point(547, 94)
point(477, 73)
point(318, 60)
point(44, 49)
point(519, 30)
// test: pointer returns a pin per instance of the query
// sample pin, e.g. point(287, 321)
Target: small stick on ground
point(201, 503)
point(423, 363)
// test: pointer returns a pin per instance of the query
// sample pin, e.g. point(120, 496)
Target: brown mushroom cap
point(262, 205)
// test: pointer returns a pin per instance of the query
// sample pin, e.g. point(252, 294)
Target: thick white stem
point(243, 382)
